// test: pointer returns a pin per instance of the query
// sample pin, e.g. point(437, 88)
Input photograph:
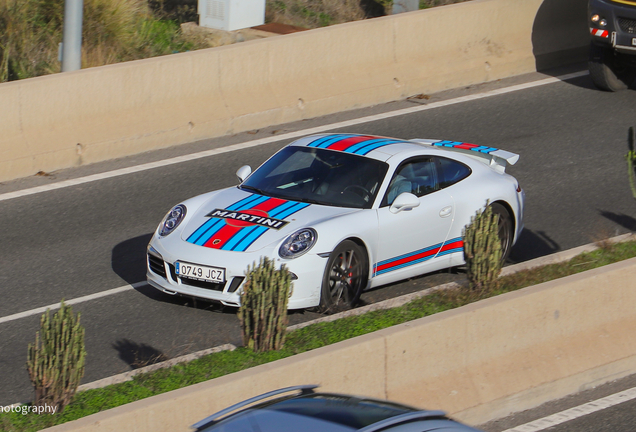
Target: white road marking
point(241, 146)
point(83, 299)
point(290, 135)
point(576, 412)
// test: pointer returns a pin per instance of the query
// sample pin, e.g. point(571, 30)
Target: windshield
point(319, 176)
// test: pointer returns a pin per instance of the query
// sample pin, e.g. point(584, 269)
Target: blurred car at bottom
point(300, 408)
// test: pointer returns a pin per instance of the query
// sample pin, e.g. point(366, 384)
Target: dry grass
point(320, 13)
point(113, 31)
point(313, 13)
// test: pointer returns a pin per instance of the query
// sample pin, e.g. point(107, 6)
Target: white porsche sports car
point(343, 212)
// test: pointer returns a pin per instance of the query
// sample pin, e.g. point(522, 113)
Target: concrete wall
point(478, 362)
point(75, 118)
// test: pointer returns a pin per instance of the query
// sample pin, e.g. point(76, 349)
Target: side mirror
point(404, 201)
point(243, 172)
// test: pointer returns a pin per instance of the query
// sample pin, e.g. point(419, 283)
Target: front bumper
point(620, 30)
point(161, 274)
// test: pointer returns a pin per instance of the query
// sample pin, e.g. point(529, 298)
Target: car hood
point(241, 221)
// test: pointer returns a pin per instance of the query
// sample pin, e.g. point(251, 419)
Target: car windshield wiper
point(254, 189)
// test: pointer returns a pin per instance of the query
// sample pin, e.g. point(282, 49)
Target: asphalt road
point(90, 238)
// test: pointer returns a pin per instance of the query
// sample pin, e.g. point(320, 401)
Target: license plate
point(199, 272)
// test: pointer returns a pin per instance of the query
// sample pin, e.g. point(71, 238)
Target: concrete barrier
point(96, 114)
point(479, 362)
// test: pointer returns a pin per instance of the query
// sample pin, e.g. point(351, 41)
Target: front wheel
point(345, 277)
point(607, 70)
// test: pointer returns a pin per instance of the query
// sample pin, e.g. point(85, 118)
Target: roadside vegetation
point(306, 339)
point(123, 30)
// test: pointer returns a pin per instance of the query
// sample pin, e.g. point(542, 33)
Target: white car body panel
point(233, 228)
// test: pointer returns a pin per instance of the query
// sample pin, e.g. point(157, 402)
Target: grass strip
point(303, 340)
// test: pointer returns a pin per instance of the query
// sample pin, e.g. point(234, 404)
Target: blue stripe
point(375, 146)
point(354, 148)
point(212, 226)
point(251, 238)
point(205, 236)
point(279, 213)
point(328, 140)
point(410, 263)
point(480, 149)
point(369, 146)
point(437, 246)
point(283, 213)
point(390, 260)
point(240, 235)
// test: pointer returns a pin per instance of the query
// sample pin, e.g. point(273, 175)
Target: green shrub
point(263, 311)
point(482, 250)
point(56, 360)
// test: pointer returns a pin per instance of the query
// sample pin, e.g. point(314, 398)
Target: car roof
point(308, 411)
point(372, 146)
point(383, 148)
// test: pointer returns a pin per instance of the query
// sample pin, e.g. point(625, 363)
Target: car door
point(414, 240)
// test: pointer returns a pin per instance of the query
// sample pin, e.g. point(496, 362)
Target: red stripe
point(466, 146)
point(407, 259)
point(270, 204)
point(223, 235)
point(348, 142)
point(453, 245)
point(448, 246)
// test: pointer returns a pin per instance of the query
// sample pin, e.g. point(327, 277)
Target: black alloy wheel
point(345, 277)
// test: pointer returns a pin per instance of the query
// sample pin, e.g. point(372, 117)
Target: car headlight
point(298, 243)
point(172, 220)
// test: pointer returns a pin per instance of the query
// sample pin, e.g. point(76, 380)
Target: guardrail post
point(72, 39)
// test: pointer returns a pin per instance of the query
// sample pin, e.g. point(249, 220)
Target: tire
point(607, 71)
point(505, 229)
point(345, 277)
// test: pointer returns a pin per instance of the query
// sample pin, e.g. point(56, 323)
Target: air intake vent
point(216, 10)
point(627, 25)
point(155, 264)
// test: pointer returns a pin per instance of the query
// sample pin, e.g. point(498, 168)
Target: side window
point(417, 176)
point(452, 172)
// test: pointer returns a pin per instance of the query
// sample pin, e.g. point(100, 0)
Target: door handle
point(446, 211)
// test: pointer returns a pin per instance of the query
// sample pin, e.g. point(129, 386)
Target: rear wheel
point(504, 229)
point(607, 70)
point(345, 277)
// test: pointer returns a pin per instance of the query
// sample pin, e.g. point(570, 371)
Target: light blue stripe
point(328, 140)
point(280, 213)
point(354, 148)
point(195, 236)
point(290, 211)
point(210, 232)
point(238, 237)
point(212, 229)
point(368, 149)
point(390, 260)
point(408, 264)
point(251, 238)
point(437, 246)
point(202, 229)
point(335, 139)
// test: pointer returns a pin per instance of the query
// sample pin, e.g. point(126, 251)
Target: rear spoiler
point(497, 159)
